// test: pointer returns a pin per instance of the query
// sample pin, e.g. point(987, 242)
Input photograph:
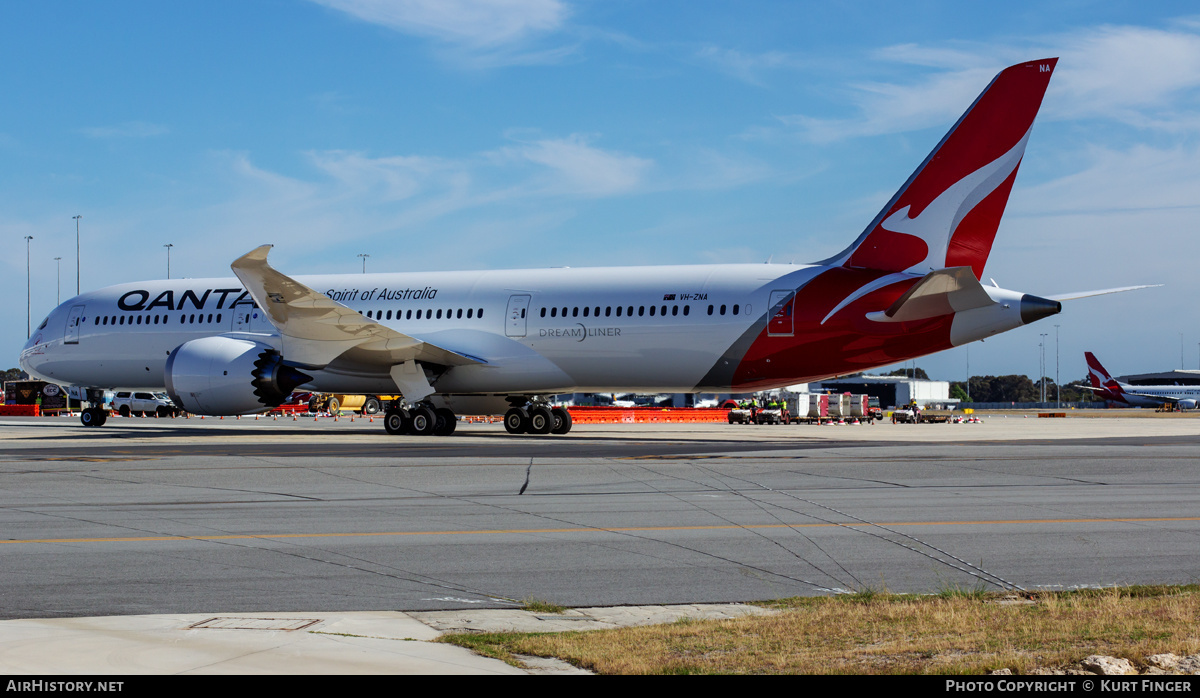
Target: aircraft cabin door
point(516, 323)
point(71, 336)
point(782, 307)
point(241, 318)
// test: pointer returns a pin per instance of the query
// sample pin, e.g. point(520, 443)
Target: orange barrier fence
point(647, 415)
point(21, 410)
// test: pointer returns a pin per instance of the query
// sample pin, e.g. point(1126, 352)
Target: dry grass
point(879, 633)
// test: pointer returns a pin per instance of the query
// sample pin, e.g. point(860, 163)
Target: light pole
point(58, 298)
point(28, 291)
point(1043, 378)
point(364, 259)
point(1057, 385)
point(77, 253)
point(168, 246)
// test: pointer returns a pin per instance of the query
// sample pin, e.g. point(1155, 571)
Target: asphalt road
point(147, 516)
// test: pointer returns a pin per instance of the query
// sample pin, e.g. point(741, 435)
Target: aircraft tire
point(541, 420)
point(445, 420)
point(90, 417)
point(562, 420)
point(516, 421)
point(395, 422)
point(422, 421)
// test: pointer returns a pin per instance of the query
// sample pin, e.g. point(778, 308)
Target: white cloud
point(1140, 76)
point(578, 168)
point(475, 23)
point(1125, 73)
point(129, 129)
point(748, 67)
point(889, 108)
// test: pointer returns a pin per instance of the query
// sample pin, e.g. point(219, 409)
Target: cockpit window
point(44, 323)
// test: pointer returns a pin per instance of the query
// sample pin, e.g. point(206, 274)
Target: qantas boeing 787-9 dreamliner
point(491, 342)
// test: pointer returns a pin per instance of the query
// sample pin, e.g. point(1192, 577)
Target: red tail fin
point(1106, 386)
point(947, 213)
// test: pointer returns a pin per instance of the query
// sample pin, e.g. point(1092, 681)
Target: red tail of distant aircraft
point(1108, 388)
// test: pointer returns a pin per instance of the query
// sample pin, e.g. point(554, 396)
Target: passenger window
point(722, 310)
point(735, 308)
point(543, 313)
point(710, 310)
point(522, 313)
point(389, 315)
point(575, 312)
point(664, 310)
point(687, 309)
point(652, 309)
point(479, 313)
point(439, 314)
point(641, 310)
point(597, 311)
point(139, 319)
point(585, 311)
point(674, 310)
point(471, 311)
point(618, 311)
point(608, 311)
point(218, 317)
point(459, 314)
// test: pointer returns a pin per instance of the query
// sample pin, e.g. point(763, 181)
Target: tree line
point(1011, 388)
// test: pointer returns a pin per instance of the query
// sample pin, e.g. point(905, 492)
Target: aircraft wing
point(1088, 294)
point(939, 292)
point(316, 329)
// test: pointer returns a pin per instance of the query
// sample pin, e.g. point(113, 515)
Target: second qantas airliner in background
point(491, 342)
point(1108, 388)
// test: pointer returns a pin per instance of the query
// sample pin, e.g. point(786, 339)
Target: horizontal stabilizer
point(1088, 294)
point(940, 292)
point(316, 329)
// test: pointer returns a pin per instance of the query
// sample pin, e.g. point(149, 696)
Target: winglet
point(316, 329)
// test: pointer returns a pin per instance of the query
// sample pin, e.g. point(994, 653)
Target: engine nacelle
point(227, 376)
point(1187, 404)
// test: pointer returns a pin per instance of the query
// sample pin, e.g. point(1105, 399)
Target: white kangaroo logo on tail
point(937, 223)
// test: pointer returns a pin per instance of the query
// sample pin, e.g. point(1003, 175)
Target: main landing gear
point(420, 420)
point(523, 417)
point(537, 419)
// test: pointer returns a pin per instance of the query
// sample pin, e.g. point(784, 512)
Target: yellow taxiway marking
point(585, 529)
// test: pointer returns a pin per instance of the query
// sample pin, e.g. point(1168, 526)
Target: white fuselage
point(583, 329)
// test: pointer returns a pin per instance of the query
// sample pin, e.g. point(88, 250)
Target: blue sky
point(461, 134)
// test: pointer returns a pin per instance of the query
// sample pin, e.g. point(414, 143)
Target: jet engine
point(224, 375)
point(1187, 404)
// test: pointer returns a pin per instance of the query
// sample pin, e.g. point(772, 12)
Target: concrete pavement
point(302, 643)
